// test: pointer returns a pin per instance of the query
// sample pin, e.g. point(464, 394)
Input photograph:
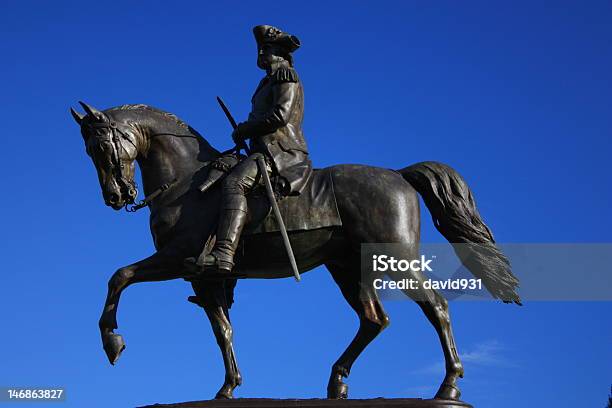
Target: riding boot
point(232, 220)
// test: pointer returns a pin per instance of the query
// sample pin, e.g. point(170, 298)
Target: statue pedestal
point(317, 403)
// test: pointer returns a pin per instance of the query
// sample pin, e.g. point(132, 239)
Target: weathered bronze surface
point(180, 170)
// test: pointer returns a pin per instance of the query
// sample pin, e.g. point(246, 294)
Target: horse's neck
point(169, 151)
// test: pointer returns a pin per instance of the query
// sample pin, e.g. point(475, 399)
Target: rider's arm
point(284, 95)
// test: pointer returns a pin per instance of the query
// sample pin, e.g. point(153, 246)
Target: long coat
point(275, 128)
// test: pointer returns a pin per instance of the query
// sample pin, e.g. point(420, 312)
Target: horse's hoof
point(448, 392)
point(337, 390)
point(113, 346)
point(224, 394)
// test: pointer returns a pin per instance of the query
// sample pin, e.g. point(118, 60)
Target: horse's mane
point(141, 106)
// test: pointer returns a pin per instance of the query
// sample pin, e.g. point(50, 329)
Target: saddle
point(314, 208)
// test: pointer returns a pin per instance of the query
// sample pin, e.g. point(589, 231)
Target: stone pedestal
point(317, 403)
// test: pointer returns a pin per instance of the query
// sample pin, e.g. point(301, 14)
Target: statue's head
point(113, 152)
point(274, 46)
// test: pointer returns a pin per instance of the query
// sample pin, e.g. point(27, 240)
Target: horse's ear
point(90, 110)
point(77, 116)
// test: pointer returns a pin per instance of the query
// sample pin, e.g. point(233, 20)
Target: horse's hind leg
point(435, 308)
point(372, 320)
point(438, 314)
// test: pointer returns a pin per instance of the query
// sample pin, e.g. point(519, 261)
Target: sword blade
point(242, 144)
point(227, 113)
point(264, 173)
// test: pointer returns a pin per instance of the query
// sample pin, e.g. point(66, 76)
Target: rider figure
point(274, 130)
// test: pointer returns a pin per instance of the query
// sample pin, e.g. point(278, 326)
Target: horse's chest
point(162, 224)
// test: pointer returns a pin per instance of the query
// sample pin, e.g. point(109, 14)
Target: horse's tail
point(454, 213)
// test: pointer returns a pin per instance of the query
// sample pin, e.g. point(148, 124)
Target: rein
point(159, 191)
point(118, 166)
point(148, 199)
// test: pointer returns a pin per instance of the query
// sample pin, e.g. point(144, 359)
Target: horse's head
point(112, 148)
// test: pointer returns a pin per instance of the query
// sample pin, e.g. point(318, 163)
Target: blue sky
point(516, 96)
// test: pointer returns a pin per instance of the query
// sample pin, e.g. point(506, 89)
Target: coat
point(274, 128)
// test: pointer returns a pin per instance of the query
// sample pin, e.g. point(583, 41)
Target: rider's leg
point(235, 187)
point(231, 221)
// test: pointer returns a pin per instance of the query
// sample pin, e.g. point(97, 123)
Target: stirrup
point(211, 268)
point(211, 263)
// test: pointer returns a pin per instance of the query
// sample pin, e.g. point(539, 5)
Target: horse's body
point(395, 205)
point(376, 206)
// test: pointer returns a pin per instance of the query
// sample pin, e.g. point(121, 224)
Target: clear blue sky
point(517, 96)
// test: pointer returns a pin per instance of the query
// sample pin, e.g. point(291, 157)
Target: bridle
point(118, 167)
point(116, 134)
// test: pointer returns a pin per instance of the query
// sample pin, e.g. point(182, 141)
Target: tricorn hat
point(265, 34)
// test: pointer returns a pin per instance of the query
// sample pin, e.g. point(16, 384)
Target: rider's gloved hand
point(237, 136)
point(241, 133)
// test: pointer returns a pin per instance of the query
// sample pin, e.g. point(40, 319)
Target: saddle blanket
point(314, 208)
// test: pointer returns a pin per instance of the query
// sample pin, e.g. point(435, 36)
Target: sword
point(241, 144)
point(261, 164)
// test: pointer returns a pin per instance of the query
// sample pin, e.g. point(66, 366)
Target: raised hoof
point(113, 346)
point(448, 392)
point(337, 391)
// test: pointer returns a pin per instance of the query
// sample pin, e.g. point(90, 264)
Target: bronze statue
point(197, 201)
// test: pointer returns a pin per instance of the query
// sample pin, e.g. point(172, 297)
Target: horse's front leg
point(219, 320)
point(154, 268)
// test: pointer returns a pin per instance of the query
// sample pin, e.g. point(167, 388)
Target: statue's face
point(114, 159)
point(267, 55)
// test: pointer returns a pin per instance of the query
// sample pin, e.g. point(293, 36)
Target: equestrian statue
point(218, 217)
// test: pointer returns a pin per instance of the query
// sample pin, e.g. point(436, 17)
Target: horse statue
point(375, 205)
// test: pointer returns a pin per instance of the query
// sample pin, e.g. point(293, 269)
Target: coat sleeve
point(284, 96)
